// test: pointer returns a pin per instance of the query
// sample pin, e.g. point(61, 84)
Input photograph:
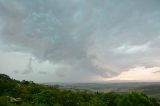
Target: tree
point(95, 101)
point(45, 97)
point(135, 99)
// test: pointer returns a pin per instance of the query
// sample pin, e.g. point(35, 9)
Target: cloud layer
point(84, 38)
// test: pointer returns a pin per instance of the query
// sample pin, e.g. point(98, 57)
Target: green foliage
point(154, 101)
point(96, 101)
point(3, 101)
point(111, 98)
point(39, 95)
point(45, 97)
point(7, 85)
point(135, 99)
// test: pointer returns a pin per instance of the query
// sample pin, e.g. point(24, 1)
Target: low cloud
point(156, 72)
point(28, 68)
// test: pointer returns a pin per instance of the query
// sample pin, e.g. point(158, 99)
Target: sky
point(80, 40)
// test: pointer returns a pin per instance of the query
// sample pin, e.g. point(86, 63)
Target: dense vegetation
point(34, 94)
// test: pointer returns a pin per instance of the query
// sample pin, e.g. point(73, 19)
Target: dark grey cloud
point(87, 38)
point(156, 72)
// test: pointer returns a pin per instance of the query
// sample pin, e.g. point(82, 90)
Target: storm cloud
point(85, 38)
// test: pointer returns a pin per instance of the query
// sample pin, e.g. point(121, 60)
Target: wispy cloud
point(29, 68)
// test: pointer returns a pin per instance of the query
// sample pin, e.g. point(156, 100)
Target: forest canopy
point(32, 94)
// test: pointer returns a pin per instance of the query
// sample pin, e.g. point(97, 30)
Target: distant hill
point(149, 88)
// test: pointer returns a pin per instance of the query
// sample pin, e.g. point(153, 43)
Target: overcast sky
point(80, 40)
